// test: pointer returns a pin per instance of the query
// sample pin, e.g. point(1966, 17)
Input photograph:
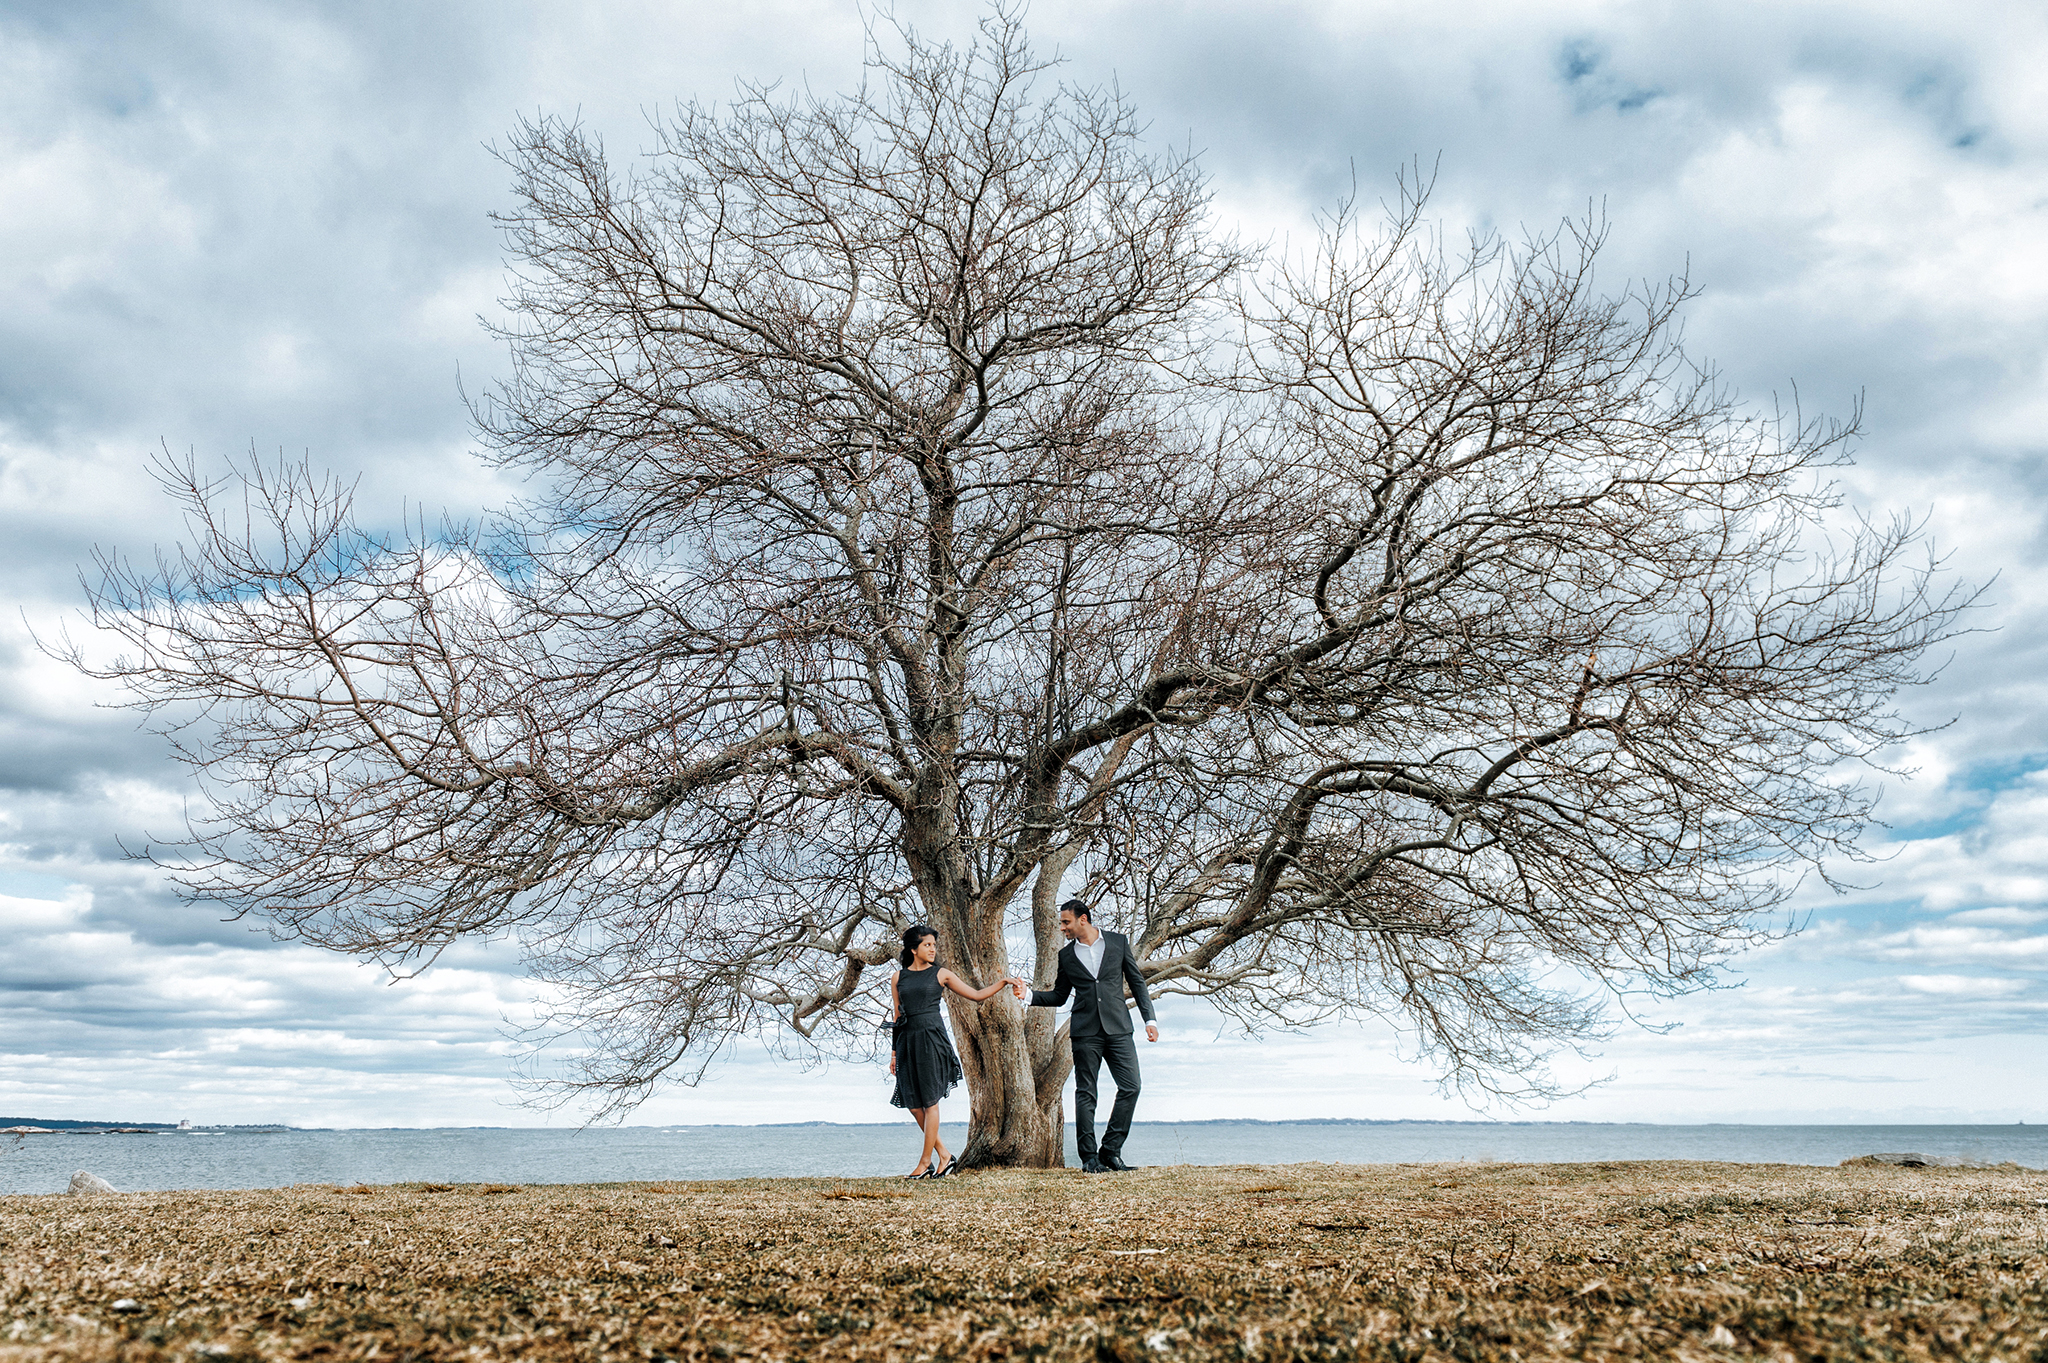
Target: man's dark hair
point(1079, 908)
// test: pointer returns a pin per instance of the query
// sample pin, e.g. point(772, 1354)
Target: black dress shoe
point(1092, 1165)
point(1115, 1164)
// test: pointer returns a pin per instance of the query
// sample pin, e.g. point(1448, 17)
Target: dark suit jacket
point(1098, 1002)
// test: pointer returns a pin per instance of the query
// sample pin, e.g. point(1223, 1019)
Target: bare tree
point(938, 519)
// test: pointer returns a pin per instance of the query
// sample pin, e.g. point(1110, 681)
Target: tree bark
point(1011, 1127)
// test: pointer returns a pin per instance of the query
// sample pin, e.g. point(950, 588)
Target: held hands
point(1016, 987)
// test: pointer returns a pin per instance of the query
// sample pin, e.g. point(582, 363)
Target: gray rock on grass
point(1917, 1161)
point(83, 1183)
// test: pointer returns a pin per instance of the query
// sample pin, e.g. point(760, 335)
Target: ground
point(1443, 1261)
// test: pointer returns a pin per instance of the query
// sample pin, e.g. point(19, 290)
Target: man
point(1094, 966)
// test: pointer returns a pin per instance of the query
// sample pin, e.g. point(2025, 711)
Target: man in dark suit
point(1093, 969)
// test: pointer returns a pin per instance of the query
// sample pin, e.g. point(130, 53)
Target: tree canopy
point(936, 516)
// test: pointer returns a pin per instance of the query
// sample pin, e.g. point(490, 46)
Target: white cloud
point(26, 919)
point(1964, 986)
point(2001, 917)
point(288, 1033)
point(1959, 945)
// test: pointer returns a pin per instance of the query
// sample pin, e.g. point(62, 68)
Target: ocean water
point(270, 1159)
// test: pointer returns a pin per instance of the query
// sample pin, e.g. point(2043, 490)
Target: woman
point(922, 1058)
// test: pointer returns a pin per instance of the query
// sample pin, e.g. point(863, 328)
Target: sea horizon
point(279, 1156)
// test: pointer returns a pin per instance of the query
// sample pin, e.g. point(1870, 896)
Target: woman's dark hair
point(912, 935)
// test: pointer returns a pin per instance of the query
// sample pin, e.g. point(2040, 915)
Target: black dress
point(926, 1067)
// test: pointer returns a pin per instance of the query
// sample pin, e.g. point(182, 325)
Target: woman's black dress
point(926, 1067)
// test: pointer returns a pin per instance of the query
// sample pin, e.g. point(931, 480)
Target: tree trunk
point(1017, 1120)
point(1010, 1127)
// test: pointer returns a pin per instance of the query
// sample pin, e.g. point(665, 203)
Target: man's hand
point(1017, 988)
point(1151, 1031)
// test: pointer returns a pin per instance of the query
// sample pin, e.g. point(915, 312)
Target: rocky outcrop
point(1911, 1161)
point(83, 1183)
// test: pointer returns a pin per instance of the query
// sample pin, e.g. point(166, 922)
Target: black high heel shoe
point(941, 1173)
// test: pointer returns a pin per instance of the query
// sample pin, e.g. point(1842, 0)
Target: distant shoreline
point(62, 1126)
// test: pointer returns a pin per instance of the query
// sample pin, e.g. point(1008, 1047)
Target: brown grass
point(870, 1194)
point(1686, 1261)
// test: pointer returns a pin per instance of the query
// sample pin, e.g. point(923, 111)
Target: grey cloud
point(35, 758)
point(89, 987)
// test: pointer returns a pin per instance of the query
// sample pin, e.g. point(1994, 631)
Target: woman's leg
point(938, 1142)
point(917, 1115)
point(930, 1116)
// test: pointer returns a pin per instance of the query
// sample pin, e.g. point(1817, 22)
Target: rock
point(1911, 1161)
point(82, 1182)
point(1900, 1161)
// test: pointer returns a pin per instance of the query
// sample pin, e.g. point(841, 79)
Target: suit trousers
point(1122, 1054)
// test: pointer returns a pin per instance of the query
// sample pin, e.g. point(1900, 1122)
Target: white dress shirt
point(1089, 954)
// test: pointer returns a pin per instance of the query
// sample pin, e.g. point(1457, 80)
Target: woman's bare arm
point(952, 982)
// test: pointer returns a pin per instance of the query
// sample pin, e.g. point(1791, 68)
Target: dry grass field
point(1687, 1261)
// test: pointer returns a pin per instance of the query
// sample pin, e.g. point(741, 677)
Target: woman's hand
point(1017, 988)
point(892, 1061)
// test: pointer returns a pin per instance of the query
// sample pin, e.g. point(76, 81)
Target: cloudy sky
point(226, 226)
